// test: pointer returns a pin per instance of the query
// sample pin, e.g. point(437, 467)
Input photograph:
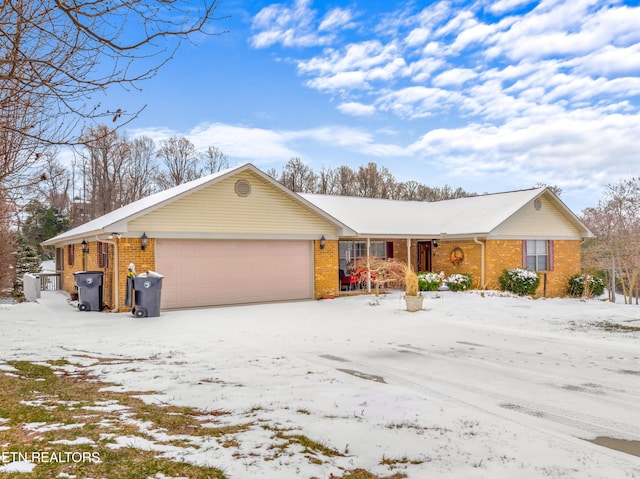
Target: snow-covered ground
point(473, 386)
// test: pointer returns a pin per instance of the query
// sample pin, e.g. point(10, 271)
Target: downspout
point(115, 271)
point(475, 240)
point(368, 265)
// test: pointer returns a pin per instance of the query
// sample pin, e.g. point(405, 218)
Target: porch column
point(409, 252)
point(368, 265)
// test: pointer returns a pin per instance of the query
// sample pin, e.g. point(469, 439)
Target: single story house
point(239, 236)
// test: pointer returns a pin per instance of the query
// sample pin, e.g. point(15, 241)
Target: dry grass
point(42, 407)
point(47, 405)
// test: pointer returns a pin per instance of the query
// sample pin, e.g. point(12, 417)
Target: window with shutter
point(537, 255)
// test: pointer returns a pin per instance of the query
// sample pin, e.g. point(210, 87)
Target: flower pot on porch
point(414, 303)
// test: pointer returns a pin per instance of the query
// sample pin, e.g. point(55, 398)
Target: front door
point(424, 255)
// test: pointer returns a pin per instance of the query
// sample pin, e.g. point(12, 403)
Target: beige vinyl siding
point(218, 209)
point(548, 222)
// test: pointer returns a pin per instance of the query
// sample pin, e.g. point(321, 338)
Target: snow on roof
point(475, 215)
point(463, 216)
point(101, 224)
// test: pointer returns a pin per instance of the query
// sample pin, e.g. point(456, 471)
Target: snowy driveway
point(471, 387)
point(582, 386)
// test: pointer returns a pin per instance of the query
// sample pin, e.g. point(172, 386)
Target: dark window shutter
point(524, 254)
point(551, 261)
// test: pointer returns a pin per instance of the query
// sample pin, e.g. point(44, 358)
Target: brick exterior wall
point(325, 269)
point(499, 255)
point(507, 254)
point(470, 264)
point(89, 262)
point(129, 251)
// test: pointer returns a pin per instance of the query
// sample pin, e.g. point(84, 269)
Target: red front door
point(424, 255)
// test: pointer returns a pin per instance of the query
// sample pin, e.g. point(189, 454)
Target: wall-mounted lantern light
point(434, 243)
point(85, 247)
point(144, 238)
point(323, 242)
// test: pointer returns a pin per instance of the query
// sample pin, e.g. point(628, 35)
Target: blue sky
point(486, 95)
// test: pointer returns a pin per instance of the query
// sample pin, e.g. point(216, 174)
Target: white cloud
point(339, 81)
point(356, 109)
point(503, 6)
point(255, 144)
point(261, 145)
point(354, 67)
point(563, 148)
point(549, 90)
point(453, 77)
point(610, 61)
point(418, 102)
point(336, 18)
point(297, 26)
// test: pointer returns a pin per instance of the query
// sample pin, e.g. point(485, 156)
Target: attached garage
point(236, 236)
point(216, 272)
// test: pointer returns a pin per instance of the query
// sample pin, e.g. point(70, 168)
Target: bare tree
point(55, 182)
point(298, 177)
point(374, 182)
point(410, 190)
point(55, 55)
point(273, 173)
point(7, 244)
point(214, 160)
point(616, 222)
point(179, 160)
point(326, 182)
point(59, 57)
point(345, 180)
point(140, 170)
point(554, 188)
point(104, 170)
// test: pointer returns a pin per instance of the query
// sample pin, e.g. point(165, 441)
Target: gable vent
point(537, 204)
point(243, 188)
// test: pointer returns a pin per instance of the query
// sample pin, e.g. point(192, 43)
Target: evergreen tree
point(27, 261)
point(43, 222)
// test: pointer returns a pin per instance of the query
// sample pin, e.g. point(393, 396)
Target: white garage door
point(213, 272)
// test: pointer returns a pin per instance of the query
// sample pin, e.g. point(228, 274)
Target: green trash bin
point(89, 284)
point(147, 288)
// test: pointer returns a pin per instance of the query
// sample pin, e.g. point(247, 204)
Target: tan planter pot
point(414, 303)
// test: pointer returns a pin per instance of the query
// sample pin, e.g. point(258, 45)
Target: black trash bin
point(147, 288)
point(89, 285)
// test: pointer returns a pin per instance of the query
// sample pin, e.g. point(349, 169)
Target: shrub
point(429, 281)
point(585, 285)
point(519, 281)
point(459, 282)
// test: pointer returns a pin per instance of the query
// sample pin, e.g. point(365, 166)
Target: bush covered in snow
point(519, 281)
point(459, 282)
point(585, 285)
point(429, 281)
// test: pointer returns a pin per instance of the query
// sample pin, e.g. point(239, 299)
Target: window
point(354, 250)
point(537, 255)
point(103, 254)
point(70, 255)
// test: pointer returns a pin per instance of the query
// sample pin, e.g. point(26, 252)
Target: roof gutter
point(475, 240)
point(116, 286)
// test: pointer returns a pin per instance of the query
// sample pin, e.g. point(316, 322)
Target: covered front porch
point(355, 270)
